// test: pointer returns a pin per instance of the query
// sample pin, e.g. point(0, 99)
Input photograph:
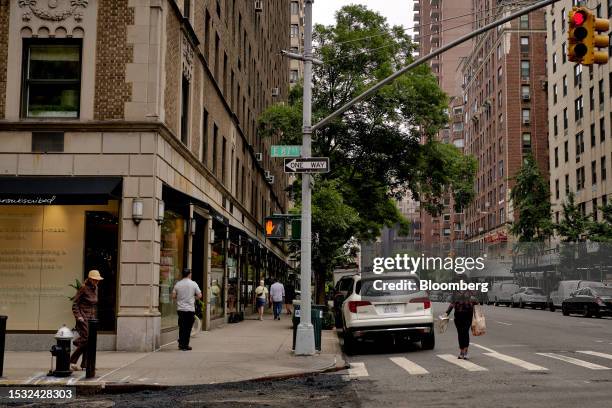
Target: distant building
point(296, 68)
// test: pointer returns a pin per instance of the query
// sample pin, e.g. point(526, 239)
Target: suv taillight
point(354, 304)
point(426, 302)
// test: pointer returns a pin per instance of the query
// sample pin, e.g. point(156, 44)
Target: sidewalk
point(248, 350)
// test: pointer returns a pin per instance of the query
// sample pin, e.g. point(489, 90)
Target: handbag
point(442, 323)
point(479, 326)
point(198, 310)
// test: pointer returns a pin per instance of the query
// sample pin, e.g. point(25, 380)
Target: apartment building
point(505, 119)
point(128, 144)
point(296, 68)
point(438, 22)
point(579, 118)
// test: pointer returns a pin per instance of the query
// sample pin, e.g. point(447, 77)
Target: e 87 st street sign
point(307, 165)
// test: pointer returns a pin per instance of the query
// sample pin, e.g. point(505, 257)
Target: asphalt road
point(507, 369)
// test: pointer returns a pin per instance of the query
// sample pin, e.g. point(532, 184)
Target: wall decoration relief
point(53, 10)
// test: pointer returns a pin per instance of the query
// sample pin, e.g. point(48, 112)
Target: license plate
point(391, 309)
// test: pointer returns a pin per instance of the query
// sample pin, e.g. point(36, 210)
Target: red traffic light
point(579, 18)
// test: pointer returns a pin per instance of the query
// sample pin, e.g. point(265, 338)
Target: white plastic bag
point(442, 323)
point(479, 326)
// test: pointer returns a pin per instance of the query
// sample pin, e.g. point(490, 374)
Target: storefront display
point(217, 271)
point(171, 264)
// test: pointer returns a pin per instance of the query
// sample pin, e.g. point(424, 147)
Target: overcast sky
point(397, 12)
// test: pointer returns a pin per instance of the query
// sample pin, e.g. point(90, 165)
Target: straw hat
point(95, 275)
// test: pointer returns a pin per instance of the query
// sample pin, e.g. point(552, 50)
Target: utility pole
point(304, 339)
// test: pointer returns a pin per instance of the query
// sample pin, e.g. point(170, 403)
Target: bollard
point(92, 344)
point(2, 341)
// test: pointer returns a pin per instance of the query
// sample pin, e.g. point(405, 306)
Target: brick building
point(129, 145)
point(505, 95)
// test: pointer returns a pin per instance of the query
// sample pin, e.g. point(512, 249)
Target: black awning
point(177, 199)
point(58, 190)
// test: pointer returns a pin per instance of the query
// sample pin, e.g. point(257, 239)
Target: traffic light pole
point(304, 340)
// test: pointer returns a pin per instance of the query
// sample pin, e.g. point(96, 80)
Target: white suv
point(385, 305)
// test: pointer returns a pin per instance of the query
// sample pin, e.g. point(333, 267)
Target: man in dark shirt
point(84, 309)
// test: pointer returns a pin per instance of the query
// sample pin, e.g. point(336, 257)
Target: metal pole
point(425, 58)
point(305, 344)
point(3, 320)
point(92, 345)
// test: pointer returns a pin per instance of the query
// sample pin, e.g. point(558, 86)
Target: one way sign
point(307, 165)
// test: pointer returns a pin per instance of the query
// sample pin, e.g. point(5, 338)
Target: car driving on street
point(589, 302)
point(529, 296)
point(387, 305)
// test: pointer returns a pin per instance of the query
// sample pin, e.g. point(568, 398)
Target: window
point(578, 75)
point(556, 157)
point(580, 178)
point(217, 62)
point(525, 92)
point(295, 30)
point(500, 166)
point(578, 109)
point(185, 110)
point(553, 30)
point(499, 52)
point(579, 143)
point(602, 168)
point(602, 129)
point(524, 22)
point(557, 189)
point(594, 172)
point(593, 135)
point(52, 79)
point(564, 85)
point(604, 200)
point(214, 151)
point(499, 75)
point(554, 61)
point(293, 76)
point(555, 125)
point(594, 205)
point(187, 8)
point(205, 137)
point(566, 150)
point(567, 187)
point(562, 20)
point(526, 116)
point(525, 69)
point(295, 7)
point(526, 143)
point(223, 160)
point(601, 92)
point(592, 98)
point(564, 53)
point(565, 119)
point(555, 94)
point(207, 34)
point(525, 45)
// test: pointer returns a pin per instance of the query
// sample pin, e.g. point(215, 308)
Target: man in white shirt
point(184, 293)
point(277, 294)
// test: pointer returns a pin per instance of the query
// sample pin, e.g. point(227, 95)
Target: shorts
point(261, 302)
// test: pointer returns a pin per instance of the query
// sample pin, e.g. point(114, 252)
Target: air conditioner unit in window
point(259, 6)
point(259, 156)
point(270, 179)
point(526, 122)
point(275, 91)
point(268, 174)
point(526, 97)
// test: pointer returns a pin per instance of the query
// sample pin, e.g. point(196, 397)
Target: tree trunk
point(320, 280)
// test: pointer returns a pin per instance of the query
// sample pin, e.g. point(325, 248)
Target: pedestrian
point(463, 304)
point(289, 296)
point(261, 295)
point(277, 296)
point(84, 309)
point(185, 293)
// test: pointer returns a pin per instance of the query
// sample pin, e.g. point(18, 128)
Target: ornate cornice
point(51, 11)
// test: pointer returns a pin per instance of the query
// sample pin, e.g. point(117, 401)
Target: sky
point(397, 12)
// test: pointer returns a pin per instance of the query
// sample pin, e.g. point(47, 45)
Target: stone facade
point(4, 20)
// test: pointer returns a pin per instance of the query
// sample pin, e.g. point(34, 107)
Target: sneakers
point(74, 367)
point(185, 348)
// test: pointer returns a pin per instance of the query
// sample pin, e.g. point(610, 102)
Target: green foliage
point(574, 225)
point(601, 231)
point(530, 197)
point(381, 149)
point(76, 286)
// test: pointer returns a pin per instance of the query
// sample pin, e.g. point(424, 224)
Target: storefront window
point(217, 269)
point(171, 265)
point(44, 250)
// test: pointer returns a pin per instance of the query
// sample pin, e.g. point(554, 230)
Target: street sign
point(307, 165)
point(275, 227)
point(286, 151)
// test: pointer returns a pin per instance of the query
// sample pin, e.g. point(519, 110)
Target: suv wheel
point(428, 342)
point(586, 311)
point(564, 310)
point(551, 307)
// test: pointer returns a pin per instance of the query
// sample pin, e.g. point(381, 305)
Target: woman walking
point(261, 297)
point(463, 303)
point(84, 309)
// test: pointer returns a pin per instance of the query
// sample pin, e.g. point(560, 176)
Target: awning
point(59, 190)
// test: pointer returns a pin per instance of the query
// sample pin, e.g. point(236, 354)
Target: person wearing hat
point(84, 309)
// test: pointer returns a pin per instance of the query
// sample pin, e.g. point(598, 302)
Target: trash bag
point(442, 323)
point(479, 326)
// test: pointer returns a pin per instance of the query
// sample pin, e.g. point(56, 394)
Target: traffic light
point(275, 227)
point(585, 37)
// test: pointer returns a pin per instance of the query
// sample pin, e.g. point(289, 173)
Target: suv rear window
point(534, 291)
point(367, 287)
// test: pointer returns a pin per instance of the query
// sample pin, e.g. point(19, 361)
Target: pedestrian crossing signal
point(275, 227)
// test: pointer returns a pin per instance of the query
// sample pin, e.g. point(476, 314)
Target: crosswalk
point(360, 370)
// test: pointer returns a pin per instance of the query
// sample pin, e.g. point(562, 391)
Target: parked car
point(529, 296)
point(341, 291)
point(437, 296)
point(372, 310)
point(501, 293)
point(565, 288)
point(596, 301)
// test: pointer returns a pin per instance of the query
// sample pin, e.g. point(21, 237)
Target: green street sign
point(286, 151)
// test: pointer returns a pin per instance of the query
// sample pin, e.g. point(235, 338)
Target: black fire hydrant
point(61, 351)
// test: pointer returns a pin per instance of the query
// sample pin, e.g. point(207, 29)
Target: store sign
point(34, 200)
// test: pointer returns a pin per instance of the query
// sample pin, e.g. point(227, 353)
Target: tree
point(381, 149)
point(574, 224)
point(601, 231)
point(530, 197)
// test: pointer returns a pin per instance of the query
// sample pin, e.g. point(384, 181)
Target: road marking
point(357, 370)
point(575, 361)
point(124, 379)
point(517, 362)
point(412, 368)
point(468, 365)
point(596, 354)
point(599, 341)
point(32, 378)
point(484, 348)
point(505, 324)
point(75, 379)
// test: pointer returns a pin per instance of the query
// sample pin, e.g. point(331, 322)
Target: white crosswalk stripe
point(517, 362)
point(596, 354)
point(357, 370)
point(468, 365)
point(574, 361)
point(411, 367)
